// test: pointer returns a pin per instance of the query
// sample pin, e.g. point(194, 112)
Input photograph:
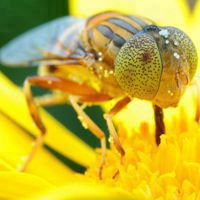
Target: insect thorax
point(107, 32)
point(103, 37)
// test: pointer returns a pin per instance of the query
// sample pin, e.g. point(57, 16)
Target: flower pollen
point(168, 171)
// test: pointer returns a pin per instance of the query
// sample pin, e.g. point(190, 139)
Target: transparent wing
point(52, 40)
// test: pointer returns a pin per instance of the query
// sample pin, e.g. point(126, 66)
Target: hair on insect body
point(109, 55)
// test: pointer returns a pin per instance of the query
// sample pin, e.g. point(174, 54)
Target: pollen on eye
point(164, 33)
point(166, 41)
point(176, 55)
point(176, 43)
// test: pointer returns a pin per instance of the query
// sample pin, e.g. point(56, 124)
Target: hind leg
point(45, 100)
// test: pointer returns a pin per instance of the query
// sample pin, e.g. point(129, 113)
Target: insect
point(109, 55)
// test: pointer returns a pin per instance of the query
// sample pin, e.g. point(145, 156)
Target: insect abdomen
point(106, 33)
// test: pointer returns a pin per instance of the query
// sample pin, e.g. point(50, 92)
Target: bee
point(107, 56)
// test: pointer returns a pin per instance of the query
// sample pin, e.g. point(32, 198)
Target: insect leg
point(118, 106)
point(46, 100)
point(51, 99)
point(55, 83)
point(93, 128)
point(160, 126)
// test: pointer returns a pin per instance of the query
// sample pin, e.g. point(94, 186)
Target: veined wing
point(53, 40)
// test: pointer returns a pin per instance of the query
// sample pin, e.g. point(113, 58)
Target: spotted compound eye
point(179, 60)
point(157, 65)
point(138, 67)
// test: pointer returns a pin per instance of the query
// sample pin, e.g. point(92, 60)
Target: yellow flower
point(168, 171)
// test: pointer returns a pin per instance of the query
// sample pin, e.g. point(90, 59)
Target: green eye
point(157, 65)
point(179, 60)
point(138, 67)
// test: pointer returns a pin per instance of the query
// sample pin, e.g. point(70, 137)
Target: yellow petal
point(142, 191)
point(195, 30)
point(86, 190)
point(17, 144)
point(15, 185)
point(160, 11)
point(5, 166)
point(12, 103)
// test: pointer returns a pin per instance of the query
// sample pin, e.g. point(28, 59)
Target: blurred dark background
point(16, 18)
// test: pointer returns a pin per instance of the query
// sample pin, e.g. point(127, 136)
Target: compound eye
point(138, 67)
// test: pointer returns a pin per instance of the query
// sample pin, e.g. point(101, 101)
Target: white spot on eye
point(164, 33)
point(166, 41)
point(176, 43)
point(176, 55)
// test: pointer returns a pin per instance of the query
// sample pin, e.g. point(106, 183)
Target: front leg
point(118, 106)
point(160, 126)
